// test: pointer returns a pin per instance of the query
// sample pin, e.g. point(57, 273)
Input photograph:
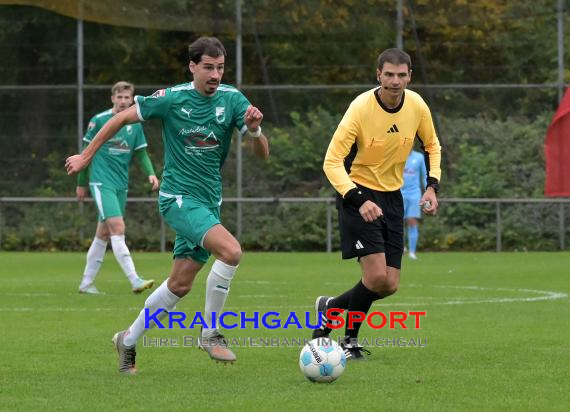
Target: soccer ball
point(322, 360)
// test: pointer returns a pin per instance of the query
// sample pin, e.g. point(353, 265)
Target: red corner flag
point(557, 151)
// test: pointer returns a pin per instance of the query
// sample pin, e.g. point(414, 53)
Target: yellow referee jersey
point(374, 142)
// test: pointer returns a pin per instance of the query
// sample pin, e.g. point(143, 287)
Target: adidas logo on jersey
point(393, 129)
point(358, 245)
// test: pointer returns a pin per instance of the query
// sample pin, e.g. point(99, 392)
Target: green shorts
point(110, 202)
point(191, 221)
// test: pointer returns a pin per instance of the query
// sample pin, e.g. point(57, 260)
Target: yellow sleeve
point(430, 142)
point(338, 150)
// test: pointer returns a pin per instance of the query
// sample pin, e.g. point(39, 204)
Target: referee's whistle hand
point(429, 202)
point(370, 211)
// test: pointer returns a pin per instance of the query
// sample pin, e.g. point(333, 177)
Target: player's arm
point(432, 150)
point(252, 119)
point(81, 191)
point(144, 159)
point(339, 148)
point(260, 147)
point(423, 175)
point(78, 162)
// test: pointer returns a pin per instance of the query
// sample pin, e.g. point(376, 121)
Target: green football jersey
point(197, 132)
point(110, 165)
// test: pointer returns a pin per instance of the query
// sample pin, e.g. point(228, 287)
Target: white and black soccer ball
point(322, 360)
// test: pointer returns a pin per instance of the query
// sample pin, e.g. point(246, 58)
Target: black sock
point(361, 299)
point(341, 301)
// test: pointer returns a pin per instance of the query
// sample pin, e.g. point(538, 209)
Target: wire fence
point(70, 219)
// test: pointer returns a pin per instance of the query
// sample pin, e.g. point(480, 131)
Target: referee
point(365, 163)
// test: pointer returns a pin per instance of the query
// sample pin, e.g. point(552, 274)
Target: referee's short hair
point(210, 46)
point(394, 56)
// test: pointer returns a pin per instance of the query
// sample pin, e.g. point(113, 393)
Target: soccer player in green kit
point(108, 179)
point(198, 120)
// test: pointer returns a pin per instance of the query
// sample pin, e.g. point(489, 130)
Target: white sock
point(217, 289)
point(95, 256)
point(123, 256)
point(161, 298)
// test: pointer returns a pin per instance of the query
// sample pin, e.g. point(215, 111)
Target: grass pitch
point(497, 337)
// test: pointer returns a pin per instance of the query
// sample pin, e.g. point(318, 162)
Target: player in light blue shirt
point(414, 184)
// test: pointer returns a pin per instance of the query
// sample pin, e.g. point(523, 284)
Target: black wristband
point(355, 197)
point(433, 183)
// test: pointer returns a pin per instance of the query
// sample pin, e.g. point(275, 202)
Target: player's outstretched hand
point(153, 180)
point(75, 164)
point(81, 193)
point(429, 202)
point(252, 118)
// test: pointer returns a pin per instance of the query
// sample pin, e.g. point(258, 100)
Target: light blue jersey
point(414, 185)
point(414, 175)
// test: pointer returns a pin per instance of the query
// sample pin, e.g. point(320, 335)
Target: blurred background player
point(108, 179)
point(414, 185)
point(365, 164)
point(198, 121)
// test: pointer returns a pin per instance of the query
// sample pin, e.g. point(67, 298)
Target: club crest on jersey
point(220, 114)
point(129, 129)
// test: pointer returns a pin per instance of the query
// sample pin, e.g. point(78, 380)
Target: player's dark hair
point(210, 46)
point(394, 56)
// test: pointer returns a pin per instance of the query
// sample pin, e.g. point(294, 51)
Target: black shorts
point(384, 235)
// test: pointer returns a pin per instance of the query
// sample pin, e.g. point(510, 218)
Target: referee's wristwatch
point(355, 197)
point(433, 183)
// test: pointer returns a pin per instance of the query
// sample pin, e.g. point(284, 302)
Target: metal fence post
point(82, 227)
point(1, 225)
point(329, 227)
point(239, 153)
point(562, 224)
point(498, 214)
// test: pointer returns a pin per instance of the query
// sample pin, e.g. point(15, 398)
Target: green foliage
point(298, 151)
point(493, 159)
point(288, 227)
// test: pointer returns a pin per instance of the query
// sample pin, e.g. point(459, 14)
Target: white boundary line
point(536, 296)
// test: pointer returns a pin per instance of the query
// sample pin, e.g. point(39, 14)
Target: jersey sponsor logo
point(220, 114)
point(158, 93)
point(187, 112)
point(119, 146)
point(198, 143)
point(185, 132)
point(393, 129)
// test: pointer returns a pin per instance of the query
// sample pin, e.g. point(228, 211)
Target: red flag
point(557, 151)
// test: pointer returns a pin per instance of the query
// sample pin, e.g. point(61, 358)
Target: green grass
point(489, 346)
